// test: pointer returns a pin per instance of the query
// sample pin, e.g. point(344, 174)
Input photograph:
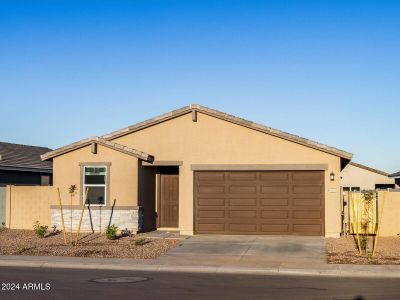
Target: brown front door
point(168, 200)
point(269, 202)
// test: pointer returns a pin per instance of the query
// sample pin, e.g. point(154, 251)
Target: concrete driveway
point(249, 251)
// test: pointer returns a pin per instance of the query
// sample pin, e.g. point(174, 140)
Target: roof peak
point(232, 119)
point(100, 141)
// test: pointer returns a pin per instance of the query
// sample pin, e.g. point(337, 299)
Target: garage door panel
point(270, 202)
point(314, 177)
point(210, 176)
point(280, 189)
point(307, 214)
point(242, 214)
point(211, 202)
point(242, 176)
point(306, 222)
point(243, 227)
point(211, 227)
point(240, 189)
point(313, 189)
point(274, 176)
point(212, 213)
point(307, 228)
point(274, 202)
point(274, 228)
point(242, 201)
point(275, 214)
point(209, 189)
point(307, 202)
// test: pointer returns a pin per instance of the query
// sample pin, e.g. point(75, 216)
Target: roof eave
point(100, 141)
point(26, 169)
point(369, 169)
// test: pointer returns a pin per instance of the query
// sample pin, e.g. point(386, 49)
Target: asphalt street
point(46, 283)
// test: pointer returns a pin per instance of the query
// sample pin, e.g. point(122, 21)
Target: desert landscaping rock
point(25, 242)
point(344, 251)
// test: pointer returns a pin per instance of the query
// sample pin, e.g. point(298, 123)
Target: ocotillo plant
point(72, 192)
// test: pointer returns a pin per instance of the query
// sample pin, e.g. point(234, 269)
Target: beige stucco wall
point(390, 222)
point(353, 176)
point(123, 174)
point(213, 141)
point(27, 204)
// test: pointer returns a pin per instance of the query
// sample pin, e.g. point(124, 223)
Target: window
point(384, 186)
point(351, 188)
point(94, 179)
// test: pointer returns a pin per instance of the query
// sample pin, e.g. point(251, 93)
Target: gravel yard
point(343, 251)
point(25, 242)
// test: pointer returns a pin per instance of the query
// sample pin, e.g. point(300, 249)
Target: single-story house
point(396, 177)
point(357, 177)
point(198, 170)
point(21, 165)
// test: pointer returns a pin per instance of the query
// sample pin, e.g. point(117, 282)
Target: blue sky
point(324, 70)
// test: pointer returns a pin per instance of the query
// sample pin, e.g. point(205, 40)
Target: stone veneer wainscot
point(122, 218)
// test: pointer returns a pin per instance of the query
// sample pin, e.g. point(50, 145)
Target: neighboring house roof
point(18, 157)
point(249, 124)
point(397, 174)
point(369, 169)
point(100, 141)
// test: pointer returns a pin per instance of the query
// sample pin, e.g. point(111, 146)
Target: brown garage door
point(268, 202)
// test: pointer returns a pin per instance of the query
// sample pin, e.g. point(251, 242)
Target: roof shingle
point(16, 156)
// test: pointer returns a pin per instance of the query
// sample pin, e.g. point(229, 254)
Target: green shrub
point(111, 232)
point(363, 243)
point(40, 230)
point(21, 249)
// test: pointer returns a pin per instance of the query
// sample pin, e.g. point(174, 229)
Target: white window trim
point(89, 185)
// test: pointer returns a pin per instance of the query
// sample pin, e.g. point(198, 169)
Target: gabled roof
point(100, 141)
point(369, 169)
point(397, 174)
point(19, 157)
point(230, 118)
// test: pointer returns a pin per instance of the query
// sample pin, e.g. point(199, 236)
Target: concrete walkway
point(224, 254)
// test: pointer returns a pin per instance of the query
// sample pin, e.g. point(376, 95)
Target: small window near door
point(95, 180)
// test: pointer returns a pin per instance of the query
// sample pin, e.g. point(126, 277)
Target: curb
point(334, 271)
